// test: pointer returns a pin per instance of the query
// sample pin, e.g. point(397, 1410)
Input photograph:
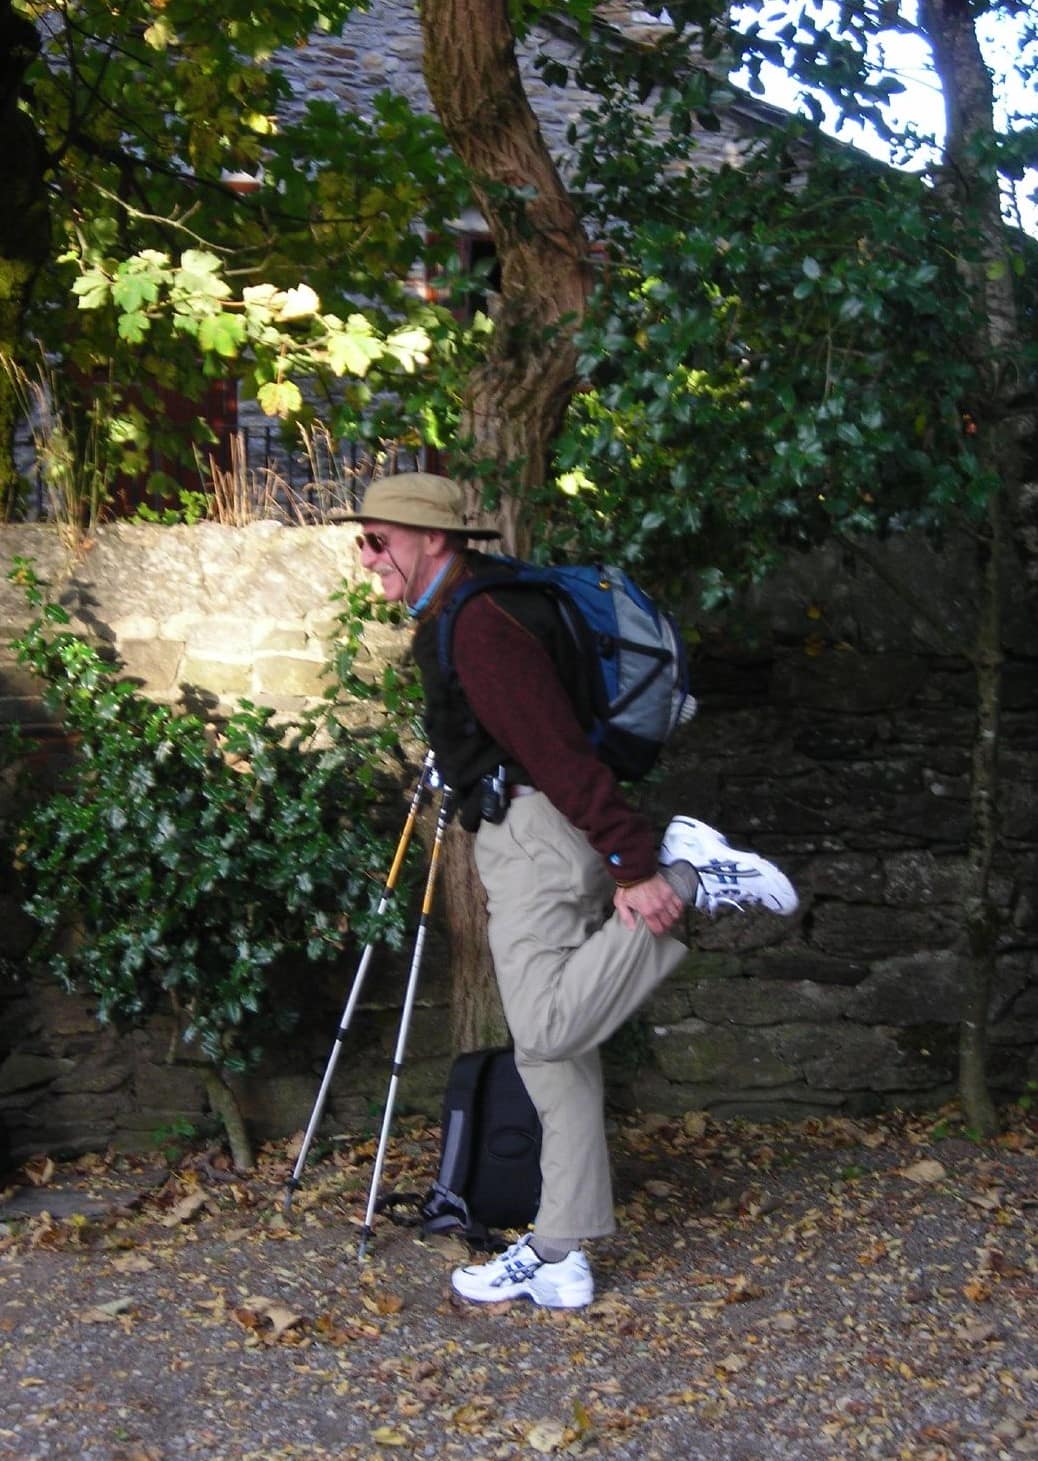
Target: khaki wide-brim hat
point(417, 500)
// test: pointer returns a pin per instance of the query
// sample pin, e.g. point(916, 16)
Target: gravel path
point(827, 1289)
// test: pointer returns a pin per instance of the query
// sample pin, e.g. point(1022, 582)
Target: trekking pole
point(425, 781)
point(446, 808)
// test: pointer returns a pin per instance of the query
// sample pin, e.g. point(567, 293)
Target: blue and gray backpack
point(637, 671)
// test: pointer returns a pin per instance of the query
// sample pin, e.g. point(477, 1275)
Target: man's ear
point(439, 543)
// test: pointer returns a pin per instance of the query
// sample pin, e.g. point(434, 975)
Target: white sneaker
point(519, 1274)
point(726, 877)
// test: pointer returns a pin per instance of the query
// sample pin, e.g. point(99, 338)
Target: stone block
point(17, 682)
point(221, 636)
point(154, 662)
point(167, 1087)
point(22, 1071)
point(915, 879)
point(281, 638)
point(669, 1004)
point(284, 674)
point(80, 1111)
point(63, 1015)
point(697, 1053)
point(1019, 811)
point(24, 710)
point(915, 989)
point(802, 962)
point(931, 817)
point(858, 683)
point(856, 931)
point(699, 964)
point(135, 626)
point(767, 1002)
point(276, 1106)
point(221, 677)
point(104, 1069)
point(857, 1057)
point(851, 877)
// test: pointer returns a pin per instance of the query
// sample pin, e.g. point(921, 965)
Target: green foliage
point(770, 362)
point(193, 863)
point(144, 113)
point(175, 1138)
point(280, 332)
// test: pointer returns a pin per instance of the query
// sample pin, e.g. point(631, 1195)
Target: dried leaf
point(257, 1312)
point(382, 1303)
point(546, 1436)
point(105, 1313)
point(39, 1171)
point(132, 1263)
point(990, 1201)
point(385, 1435)
point(976, 1332)
point(743, 1290)
point(927, 1170)
point(188, 1208)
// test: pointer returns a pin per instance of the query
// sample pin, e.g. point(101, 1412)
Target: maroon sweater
point(515, 692)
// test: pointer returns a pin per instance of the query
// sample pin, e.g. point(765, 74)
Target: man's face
point(399, 558)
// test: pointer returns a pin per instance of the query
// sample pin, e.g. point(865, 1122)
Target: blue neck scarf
point(426, 599)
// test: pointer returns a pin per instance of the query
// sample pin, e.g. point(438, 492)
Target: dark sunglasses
point(375, 541)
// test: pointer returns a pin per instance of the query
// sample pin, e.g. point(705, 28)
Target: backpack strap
point(444, 1208)
point(457, 601)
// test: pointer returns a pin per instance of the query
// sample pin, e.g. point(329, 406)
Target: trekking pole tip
point(362, 1248)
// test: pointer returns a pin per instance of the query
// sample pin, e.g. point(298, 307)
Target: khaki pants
point(569, 975)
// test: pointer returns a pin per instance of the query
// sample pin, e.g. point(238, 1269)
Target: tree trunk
point(980, 924)
point(517, 399)
point(972, 184)
point(223, 1103)
point(24, 227)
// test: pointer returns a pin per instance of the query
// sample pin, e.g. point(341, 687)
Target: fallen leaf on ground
point(546, 1436)
point(132, 1263)
point(39, 1171)
point(385, 1435)
point(927, 1170)
point(185, 1210)
point(256, 1312)
point(105, 1313)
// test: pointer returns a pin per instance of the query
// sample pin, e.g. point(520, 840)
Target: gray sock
point(684, 879)
point(553, 1250)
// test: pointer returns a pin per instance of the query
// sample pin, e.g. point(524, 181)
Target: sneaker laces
point(721, 899)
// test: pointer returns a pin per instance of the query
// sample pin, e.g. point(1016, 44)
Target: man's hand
point(654, 901)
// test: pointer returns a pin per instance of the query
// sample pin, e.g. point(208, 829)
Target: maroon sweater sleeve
point(515, 693)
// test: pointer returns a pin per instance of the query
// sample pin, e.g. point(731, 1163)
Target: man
point(580, 902)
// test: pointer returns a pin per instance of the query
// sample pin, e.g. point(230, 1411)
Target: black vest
point(464, 751)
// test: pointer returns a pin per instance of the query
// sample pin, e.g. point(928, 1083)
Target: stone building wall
point(834, 733)
point(381, 49)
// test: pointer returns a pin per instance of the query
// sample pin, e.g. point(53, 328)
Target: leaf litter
point(828, 1288)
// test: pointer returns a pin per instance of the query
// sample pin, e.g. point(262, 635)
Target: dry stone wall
point(834, 734)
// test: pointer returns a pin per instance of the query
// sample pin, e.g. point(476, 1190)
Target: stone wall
point(834, 733)
point(381, 49)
